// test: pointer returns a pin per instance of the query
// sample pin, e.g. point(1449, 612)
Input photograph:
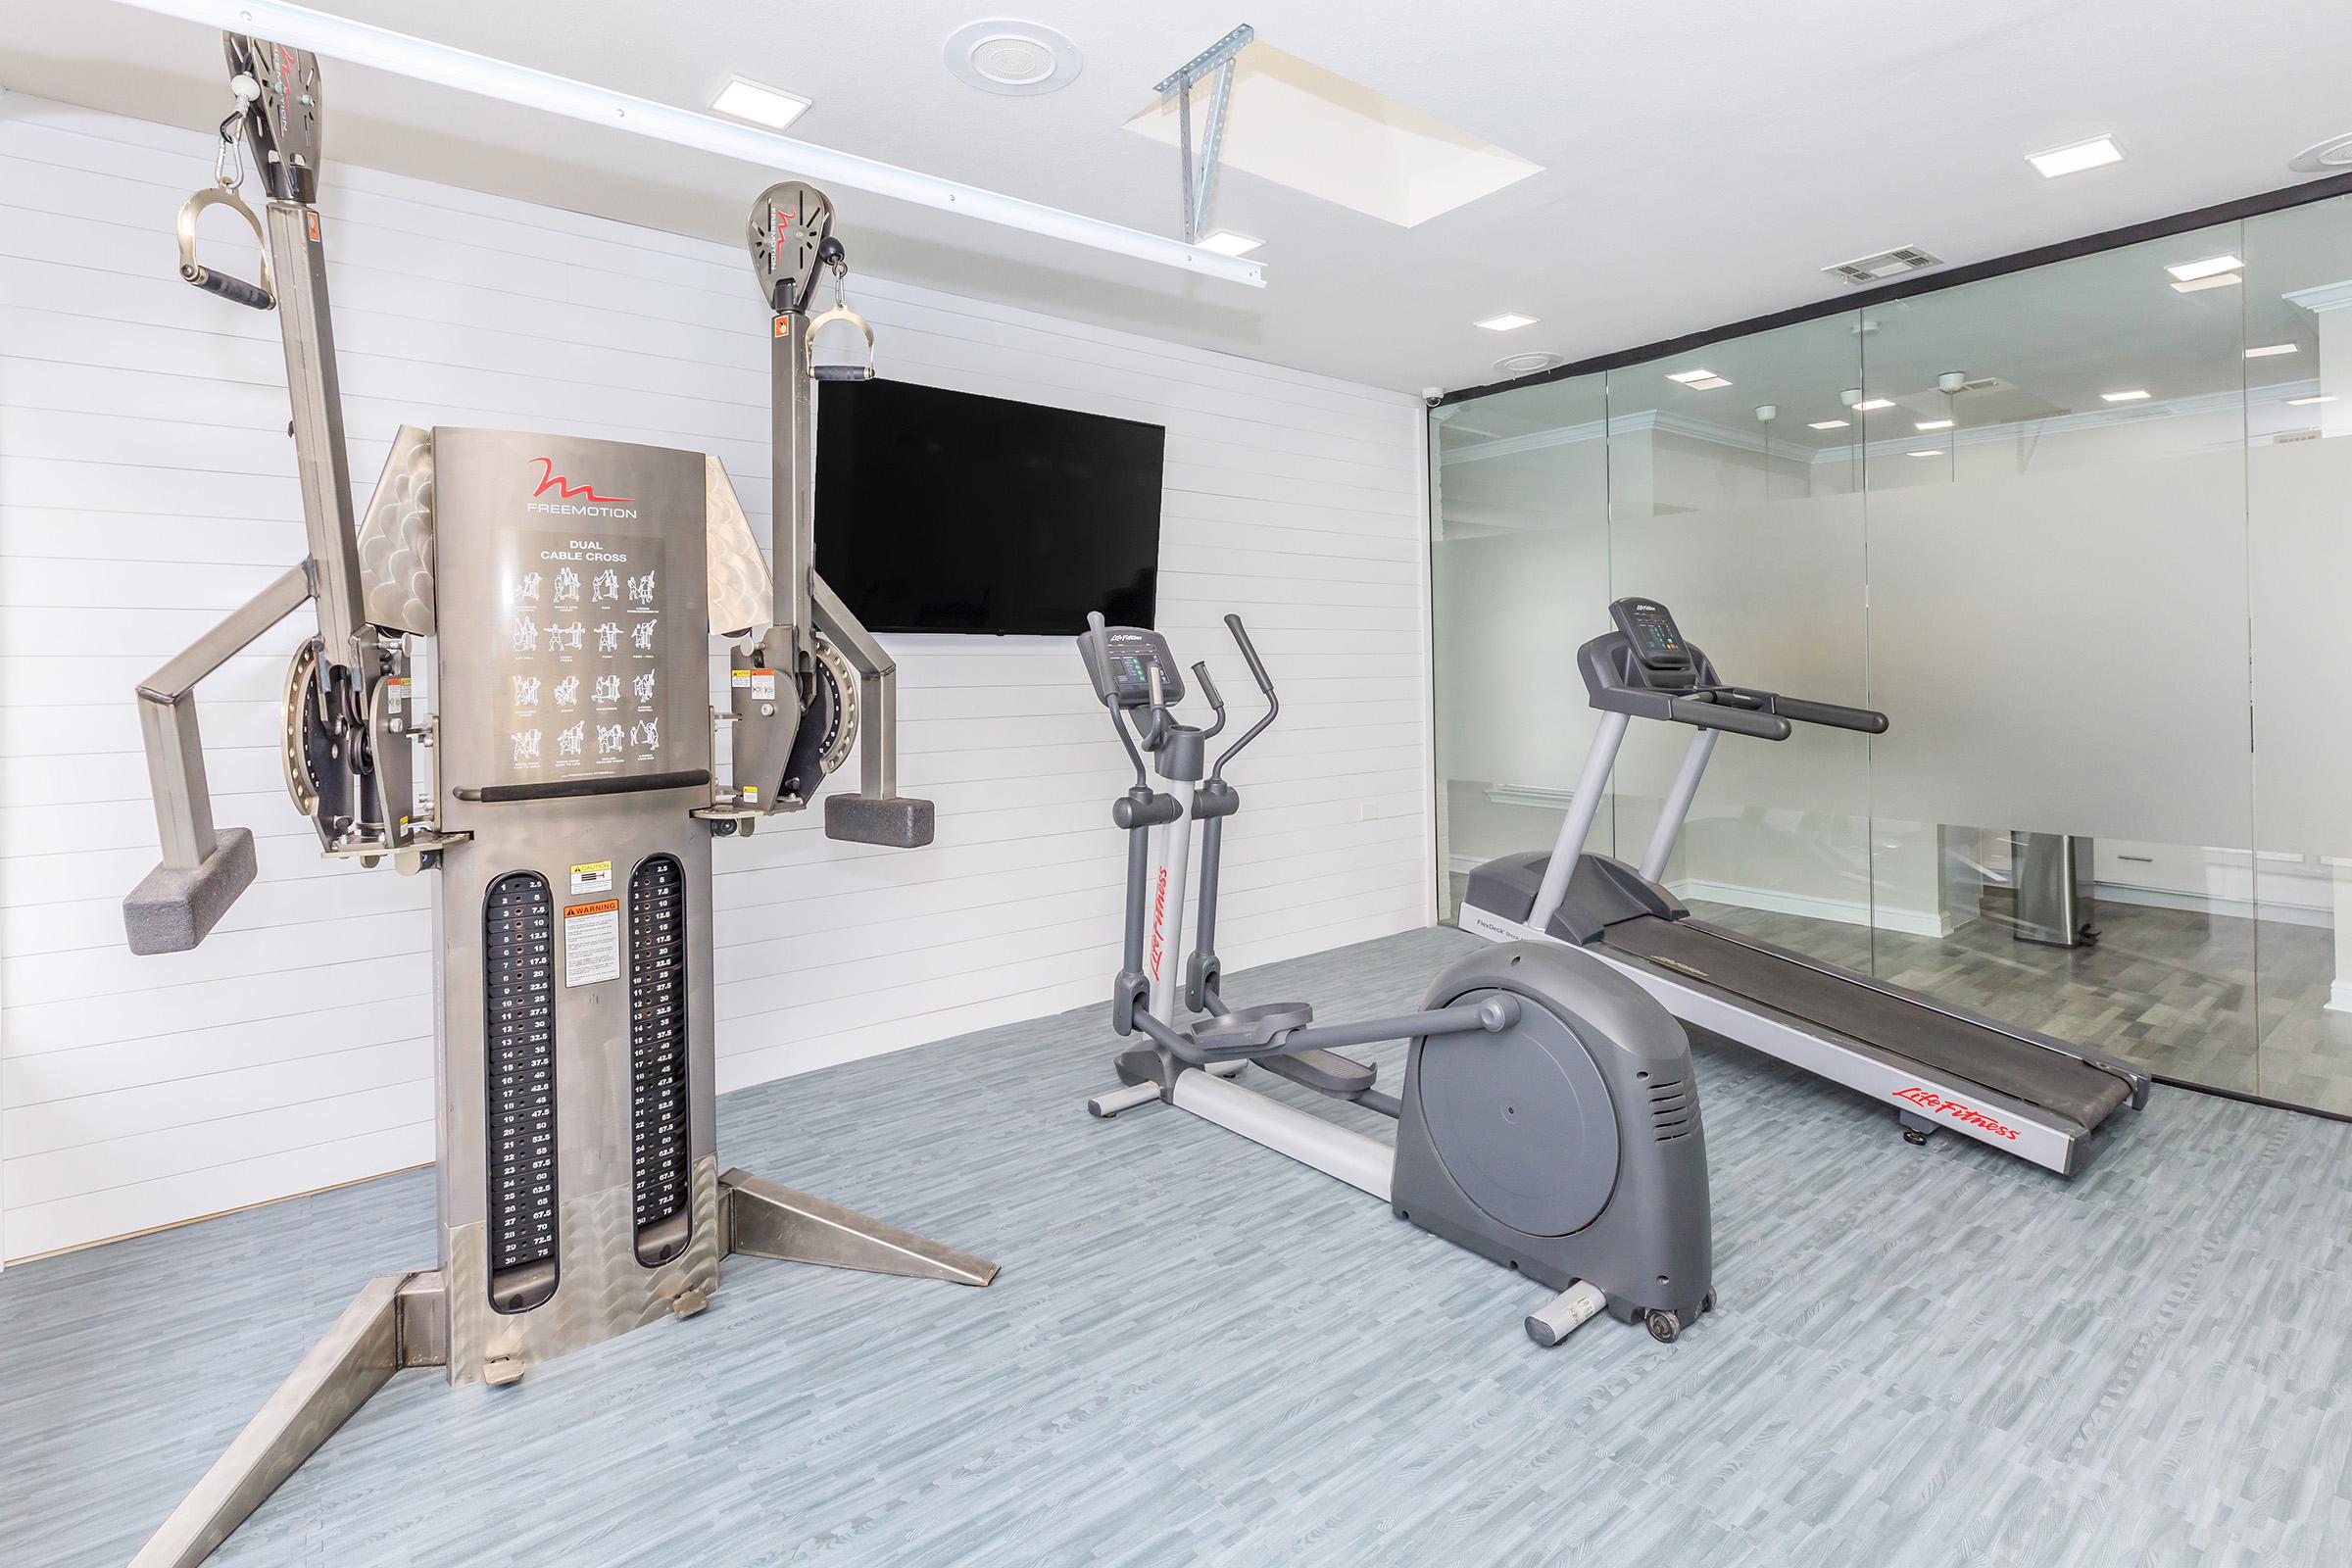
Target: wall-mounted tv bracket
point(563, 592)
point(807, 679)
point(1214, 64)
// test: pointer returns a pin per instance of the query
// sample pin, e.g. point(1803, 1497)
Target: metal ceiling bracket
point(1200, 174)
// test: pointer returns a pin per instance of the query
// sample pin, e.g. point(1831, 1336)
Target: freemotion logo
point(574, 500)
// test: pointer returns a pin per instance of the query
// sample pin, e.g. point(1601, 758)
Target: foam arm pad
point(898, 822)
point(169, 911)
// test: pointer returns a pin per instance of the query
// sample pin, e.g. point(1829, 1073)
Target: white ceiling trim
point(421, 60)
point(2325, 297)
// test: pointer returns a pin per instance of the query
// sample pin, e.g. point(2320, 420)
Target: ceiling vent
point(1885, 265)
point(1526, 363)
point(2330, 156)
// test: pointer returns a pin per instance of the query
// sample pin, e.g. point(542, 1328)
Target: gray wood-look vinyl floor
point(1200, 1352)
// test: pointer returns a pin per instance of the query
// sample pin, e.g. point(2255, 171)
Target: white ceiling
point(1701, 161)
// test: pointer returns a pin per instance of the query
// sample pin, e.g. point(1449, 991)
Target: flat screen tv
point(949, 512)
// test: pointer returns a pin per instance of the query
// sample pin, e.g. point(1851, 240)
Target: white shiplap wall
point(146, 487)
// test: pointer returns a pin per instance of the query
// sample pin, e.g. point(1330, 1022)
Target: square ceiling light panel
point(1298, 124)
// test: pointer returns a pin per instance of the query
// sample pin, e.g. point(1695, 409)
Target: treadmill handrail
point(1805, 711)
point(1705, 713)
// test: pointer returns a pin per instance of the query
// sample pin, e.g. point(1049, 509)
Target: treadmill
point(1941, 1066)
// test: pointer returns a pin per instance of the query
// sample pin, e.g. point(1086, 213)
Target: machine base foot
point(1565, 1314)
point(393, 1324)
point(1136, 1069)
point(762, 1219)
point(1915, 1128)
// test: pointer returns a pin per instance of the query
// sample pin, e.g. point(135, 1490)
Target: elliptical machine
point(1550, 1115)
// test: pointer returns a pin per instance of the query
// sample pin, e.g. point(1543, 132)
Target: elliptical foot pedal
point(1326, 1073)
point(1250, 1031)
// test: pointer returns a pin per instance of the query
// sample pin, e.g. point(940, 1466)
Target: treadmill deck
point(1951, 1045)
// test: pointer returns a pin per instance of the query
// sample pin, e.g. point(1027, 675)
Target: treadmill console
point(1120, 665)
point(1656, 641)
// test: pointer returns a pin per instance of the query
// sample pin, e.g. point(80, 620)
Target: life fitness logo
point(574, 500)
point(1159, 921)
point(1959, 1112)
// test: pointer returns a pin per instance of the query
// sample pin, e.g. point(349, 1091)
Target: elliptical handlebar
point(1266, 685)
point(1098, 634)
point(1216, 703)
point(1241, 635)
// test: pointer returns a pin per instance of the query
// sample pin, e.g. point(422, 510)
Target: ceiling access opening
point(1295, 124)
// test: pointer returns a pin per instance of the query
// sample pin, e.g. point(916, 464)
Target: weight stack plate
point(658, 1141)
point(519, 1069)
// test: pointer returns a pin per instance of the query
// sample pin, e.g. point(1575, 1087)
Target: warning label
point(761, 683)
point(592, 876)
point(591, 942)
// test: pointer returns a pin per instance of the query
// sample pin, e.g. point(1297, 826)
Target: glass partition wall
point(2080, 531)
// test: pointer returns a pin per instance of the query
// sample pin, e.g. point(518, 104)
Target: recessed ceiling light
point(1507, 321)
point(2218, 280)
point(1933, 424)
point(2136, 395)
point(1688, 376)
point(1708, 386)
point(2304, 403)
point(1829, 424)
point(2093, 154)
point(1009, 56)
point(1931, 452)
point(2190, 271)
point(2269, 349)
point(1225, 243)
point(762, 106)
point(1874, 405)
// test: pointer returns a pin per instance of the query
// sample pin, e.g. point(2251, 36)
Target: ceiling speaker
point(1005, 55)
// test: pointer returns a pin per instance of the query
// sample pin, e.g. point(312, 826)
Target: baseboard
point(2213, 904)
point(2339, 997)
point(1844, 911)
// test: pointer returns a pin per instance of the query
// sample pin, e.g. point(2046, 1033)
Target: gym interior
point(1332, 785)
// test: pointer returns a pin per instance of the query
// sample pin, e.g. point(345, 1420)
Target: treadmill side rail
point(2034, 1133)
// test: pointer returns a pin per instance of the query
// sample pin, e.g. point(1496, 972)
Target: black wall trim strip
point(1928, 282)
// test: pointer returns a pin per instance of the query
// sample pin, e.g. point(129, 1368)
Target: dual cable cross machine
point(566, 591)
point(1548, 1119)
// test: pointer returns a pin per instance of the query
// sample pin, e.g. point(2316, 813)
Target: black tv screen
point(949, 512)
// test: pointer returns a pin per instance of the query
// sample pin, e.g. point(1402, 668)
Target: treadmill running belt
point(2000, 1062)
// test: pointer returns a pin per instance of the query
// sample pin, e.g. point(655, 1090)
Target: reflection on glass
point(1734, 500)
point(2057, 563)
point(2083, 532)
point(1520, 546)
point(2298, 310)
